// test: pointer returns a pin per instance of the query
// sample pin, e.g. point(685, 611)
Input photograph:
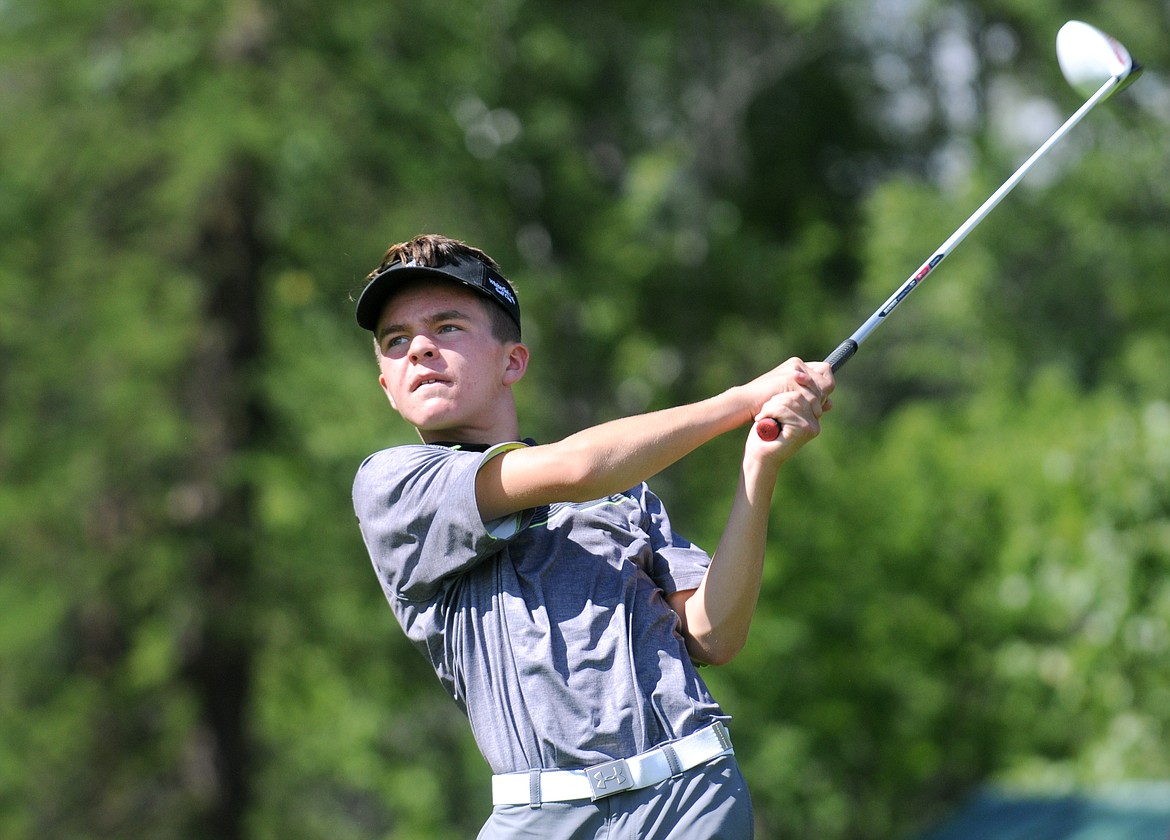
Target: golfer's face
point(441, 367)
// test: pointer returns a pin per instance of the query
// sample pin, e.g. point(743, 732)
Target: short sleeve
point(419, 519)
point(678, 564)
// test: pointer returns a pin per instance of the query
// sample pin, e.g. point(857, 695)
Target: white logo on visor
point(502, 290)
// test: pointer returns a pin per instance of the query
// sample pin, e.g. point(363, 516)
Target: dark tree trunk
point(228, 419)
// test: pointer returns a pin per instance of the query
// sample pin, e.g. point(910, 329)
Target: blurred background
point(968, 583)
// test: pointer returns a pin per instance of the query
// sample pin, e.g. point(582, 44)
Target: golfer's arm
point(716, 617)
point(604, 459)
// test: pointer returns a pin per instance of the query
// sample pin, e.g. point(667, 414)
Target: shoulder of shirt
point(392, 464)
point(426, 451)
point(406, 451)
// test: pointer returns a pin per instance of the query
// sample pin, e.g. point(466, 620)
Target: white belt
point(533, 787)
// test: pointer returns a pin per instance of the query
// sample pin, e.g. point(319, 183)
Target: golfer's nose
point(421, 347)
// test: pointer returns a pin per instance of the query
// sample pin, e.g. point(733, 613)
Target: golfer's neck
point(503, 426)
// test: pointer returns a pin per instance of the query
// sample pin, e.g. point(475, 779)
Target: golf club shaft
point(769, 429)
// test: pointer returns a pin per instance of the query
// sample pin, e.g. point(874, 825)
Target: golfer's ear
point(517, 363)
point(386, 391)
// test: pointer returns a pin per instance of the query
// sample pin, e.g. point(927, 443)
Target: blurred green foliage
point(968, 575)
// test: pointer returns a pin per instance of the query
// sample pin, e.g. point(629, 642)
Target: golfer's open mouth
point(424, 381)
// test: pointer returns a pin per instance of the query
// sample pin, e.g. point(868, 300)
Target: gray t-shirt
point(551, 628)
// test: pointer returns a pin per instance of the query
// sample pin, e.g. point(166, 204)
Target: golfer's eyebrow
point(433, 318)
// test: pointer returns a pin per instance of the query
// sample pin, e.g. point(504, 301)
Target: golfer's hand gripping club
point(769, 429)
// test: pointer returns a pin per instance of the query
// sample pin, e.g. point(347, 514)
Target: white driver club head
point(1089, 58)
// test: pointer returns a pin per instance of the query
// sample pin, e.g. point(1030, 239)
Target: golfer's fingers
point(818, 377)
point(796, 408)
point(814, 389)
point(823, 373)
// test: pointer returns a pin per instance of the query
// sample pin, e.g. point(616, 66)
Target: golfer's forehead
point(419, 302)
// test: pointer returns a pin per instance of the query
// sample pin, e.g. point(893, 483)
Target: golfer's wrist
point(740, 406)
point(760, 468)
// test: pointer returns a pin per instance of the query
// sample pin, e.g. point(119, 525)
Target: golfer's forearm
point(719, 613)
point(617, 455)
point(607, 458)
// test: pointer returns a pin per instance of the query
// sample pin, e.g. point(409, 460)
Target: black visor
point(467, 271)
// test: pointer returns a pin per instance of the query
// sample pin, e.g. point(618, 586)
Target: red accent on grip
point(768, 429)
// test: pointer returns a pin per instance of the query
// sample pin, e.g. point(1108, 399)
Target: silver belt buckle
point(722, 734)
point(609, 778)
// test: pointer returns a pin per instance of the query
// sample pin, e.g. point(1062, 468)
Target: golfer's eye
point(393, 342)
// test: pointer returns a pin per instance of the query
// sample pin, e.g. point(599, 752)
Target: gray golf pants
point(710, 802)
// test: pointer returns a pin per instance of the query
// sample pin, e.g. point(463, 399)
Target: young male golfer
point(545, 583)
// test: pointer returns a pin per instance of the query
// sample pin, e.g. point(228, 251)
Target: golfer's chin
point(433, 421)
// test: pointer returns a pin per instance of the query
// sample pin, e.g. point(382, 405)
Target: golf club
point(1093, 63)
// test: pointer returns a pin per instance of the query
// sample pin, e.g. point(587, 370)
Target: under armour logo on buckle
point(609, 778)
point(601, 780)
